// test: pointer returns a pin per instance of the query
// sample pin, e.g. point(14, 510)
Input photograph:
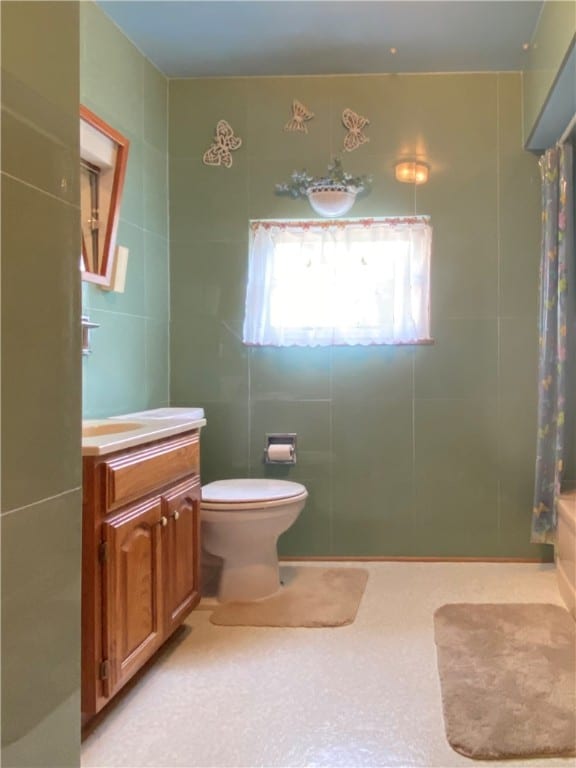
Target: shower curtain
point(557, 174)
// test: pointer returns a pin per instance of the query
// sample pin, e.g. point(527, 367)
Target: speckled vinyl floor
point(362, 695)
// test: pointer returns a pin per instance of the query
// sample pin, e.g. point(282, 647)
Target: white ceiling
point(216, 38)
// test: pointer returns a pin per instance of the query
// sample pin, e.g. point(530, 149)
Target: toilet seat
point(250, 493)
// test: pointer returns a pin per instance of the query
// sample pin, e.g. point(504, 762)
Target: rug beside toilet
point(309, 597)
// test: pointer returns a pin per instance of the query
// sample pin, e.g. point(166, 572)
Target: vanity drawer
point(134, 474)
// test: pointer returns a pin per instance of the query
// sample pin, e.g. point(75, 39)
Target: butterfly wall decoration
point(355, 124)
point(220, 152)
point(300, 116)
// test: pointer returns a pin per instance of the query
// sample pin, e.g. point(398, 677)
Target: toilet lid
point(248, 490)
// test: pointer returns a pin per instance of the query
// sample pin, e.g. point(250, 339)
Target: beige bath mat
point(508, 679)
point(309, 597)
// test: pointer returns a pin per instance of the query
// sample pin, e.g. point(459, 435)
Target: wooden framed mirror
point(103, 158)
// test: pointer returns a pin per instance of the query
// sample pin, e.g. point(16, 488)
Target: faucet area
point(309, 307)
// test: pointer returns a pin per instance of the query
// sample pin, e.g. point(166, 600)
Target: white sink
point(109, 428)
point(115, 433)
point(165, 413)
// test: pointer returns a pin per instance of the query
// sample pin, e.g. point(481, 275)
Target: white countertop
point(147, 426)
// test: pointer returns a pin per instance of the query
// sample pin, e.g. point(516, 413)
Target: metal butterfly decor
point(220, 152)
point(300, 115)
point(355, 124)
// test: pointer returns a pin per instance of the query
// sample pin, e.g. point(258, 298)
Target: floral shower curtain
point(556, 169)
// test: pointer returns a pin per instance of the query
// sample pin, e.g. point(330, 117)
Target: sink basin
point(164, 413)
point(109, 428)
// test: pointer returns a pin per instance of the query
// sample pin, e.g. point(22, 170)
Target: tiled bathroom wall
point(129, 367)
point(569, 475)
point(553, 39)
point(406, 451)
point(41, 410)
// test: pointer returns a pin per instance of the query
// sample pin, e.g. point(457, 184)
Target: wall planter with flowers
point(331, 195)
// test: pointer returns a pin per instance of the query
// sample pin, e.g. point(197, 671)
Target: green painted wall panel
point(553, 37)
point(41, 633)
point(41, 386)
point(129, 367)
point(404, 451)
point(40, 349)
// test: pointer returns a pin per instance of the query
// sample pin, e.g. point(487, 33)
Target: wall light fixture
point(412, 171)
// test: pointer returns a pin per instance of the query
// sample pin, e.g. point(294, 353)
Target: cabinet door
point(182, 551)
point(133, 610)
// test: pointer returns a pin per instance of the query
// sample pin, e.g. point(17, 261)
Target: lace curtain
point(556, 168)
point(338, 282)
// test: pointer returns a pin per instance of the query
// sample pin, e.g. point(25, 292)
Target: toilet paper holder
point(280, 448)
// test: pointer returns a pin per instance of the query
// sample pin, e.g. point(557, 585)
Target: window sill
point(419, 343)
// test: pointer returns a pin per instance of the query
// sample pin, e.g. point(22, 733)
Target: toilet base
point(244, 582)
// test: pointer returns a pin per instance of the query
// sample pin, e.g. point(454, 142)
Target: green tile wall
point(41, 386)
point(424, 451)
point(129, 367)
point(554, 34)
point(570, 458)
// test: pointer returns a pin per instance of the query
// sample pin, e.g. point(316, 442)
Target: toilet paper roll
point(280, 452)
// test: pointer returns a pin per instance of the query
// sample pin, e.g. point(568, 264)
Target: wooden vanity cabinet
point(132, 605)
point(141, 558)
point(181, 561)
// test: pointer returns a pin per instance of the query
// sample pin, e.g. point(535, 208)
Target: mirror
point(103, 157)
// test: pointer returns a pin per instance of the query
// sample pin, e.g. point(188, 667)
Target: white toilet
point(241, 522)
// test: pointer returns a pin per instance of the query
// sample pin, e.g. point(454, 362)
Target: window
point(316, 283)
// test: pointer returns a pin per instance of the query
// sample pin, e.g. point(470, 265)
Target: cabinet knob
point(176, 515)
point(163, 521)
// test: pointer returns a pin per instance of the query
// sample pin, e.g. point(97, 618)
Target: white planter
point(331, 201)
